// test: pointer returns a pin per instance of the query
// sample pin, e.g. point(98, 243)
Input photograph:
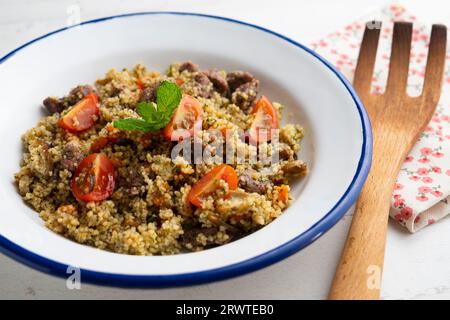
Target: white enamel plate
point(337, 145)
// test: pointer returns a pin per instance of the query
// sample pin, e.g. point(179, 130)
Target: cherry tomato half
point(82, 116)
point(210, 183)
point(94, 179)
point(266, 118)
point(186, 119)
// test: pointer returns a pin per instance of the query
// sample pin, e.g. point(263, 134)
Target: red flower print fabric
point(422, 191)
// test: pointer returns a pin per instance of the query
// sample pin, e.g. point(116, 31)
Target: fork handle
point(358, 275)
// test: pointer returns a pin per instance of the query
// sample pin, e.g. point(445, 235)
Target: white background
point(417, 266)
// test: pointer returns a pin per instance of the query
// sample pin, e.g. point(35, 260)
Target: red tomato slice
point(82, 116)
point(140, 84)
point(266, 118)
point(209, 183)
point(94, 179)
point(186, 119)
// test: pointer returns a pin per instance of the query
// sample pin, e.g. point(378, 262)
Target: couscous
point(145, 163)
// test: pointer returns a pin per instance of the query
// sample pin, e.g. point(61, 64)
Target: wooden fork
point(397, 120)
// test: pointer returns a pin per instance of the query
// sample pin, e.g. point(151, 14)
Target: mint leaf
point(147, 110)
point(168, 97)
point(154, 116)
point(133, 124)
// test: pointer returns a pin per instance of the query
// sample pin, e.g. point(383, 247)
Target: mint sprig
point(133, 124)
point(157, 115)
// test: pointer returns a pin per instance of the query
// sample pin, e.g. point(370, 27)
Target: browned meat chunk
point(218, 80)
point(236, 79)
point(133, 180)
point(123, 142)
point(202, 79)
point(190, 235)
point(72, 156)
point(202, 85)
point(53, 105)
point(78, 93)
point(249, 183)
point(189, 66)
point(149, 94)
point(295, 168)
point(245, 95)
point(285, 152)
point(234, 232)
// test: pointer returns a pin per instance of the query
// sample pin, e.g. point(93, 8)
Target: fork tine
point(366, 59)
point(435, 63)
point(399, 62)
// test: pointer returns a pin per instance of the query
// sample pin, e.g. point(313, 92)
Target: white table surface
point(417, 266)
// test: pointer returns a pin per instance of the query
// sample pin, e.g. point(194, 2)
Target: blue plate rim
point(52, 267)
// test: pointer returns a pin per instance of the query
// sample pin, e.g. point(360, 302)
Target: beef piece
point(133, 180)
point(236, 79)
point(132, 221)
point(219, 81)
point(189, 66)
point(53, 105)
point(123, 142)
point(295, 168)
point(72, 155)
point(149, 93)
point(285, 152)
point(234, 232)
point(82, 91)
point(250, 184)
point(203, 85)
point(245, 95)
point(190, 234)
point(114, 92)
point(202, 79)
point(78, 93)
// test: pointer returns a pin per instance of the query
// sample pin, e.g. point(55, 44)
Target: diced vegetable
point(210, 183)
point(94, 179)
point(266, 118)
point(186, 119)
point(82, 116)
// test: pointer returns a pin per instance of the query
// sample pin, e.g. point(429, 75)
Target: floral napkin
point(422, 191)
